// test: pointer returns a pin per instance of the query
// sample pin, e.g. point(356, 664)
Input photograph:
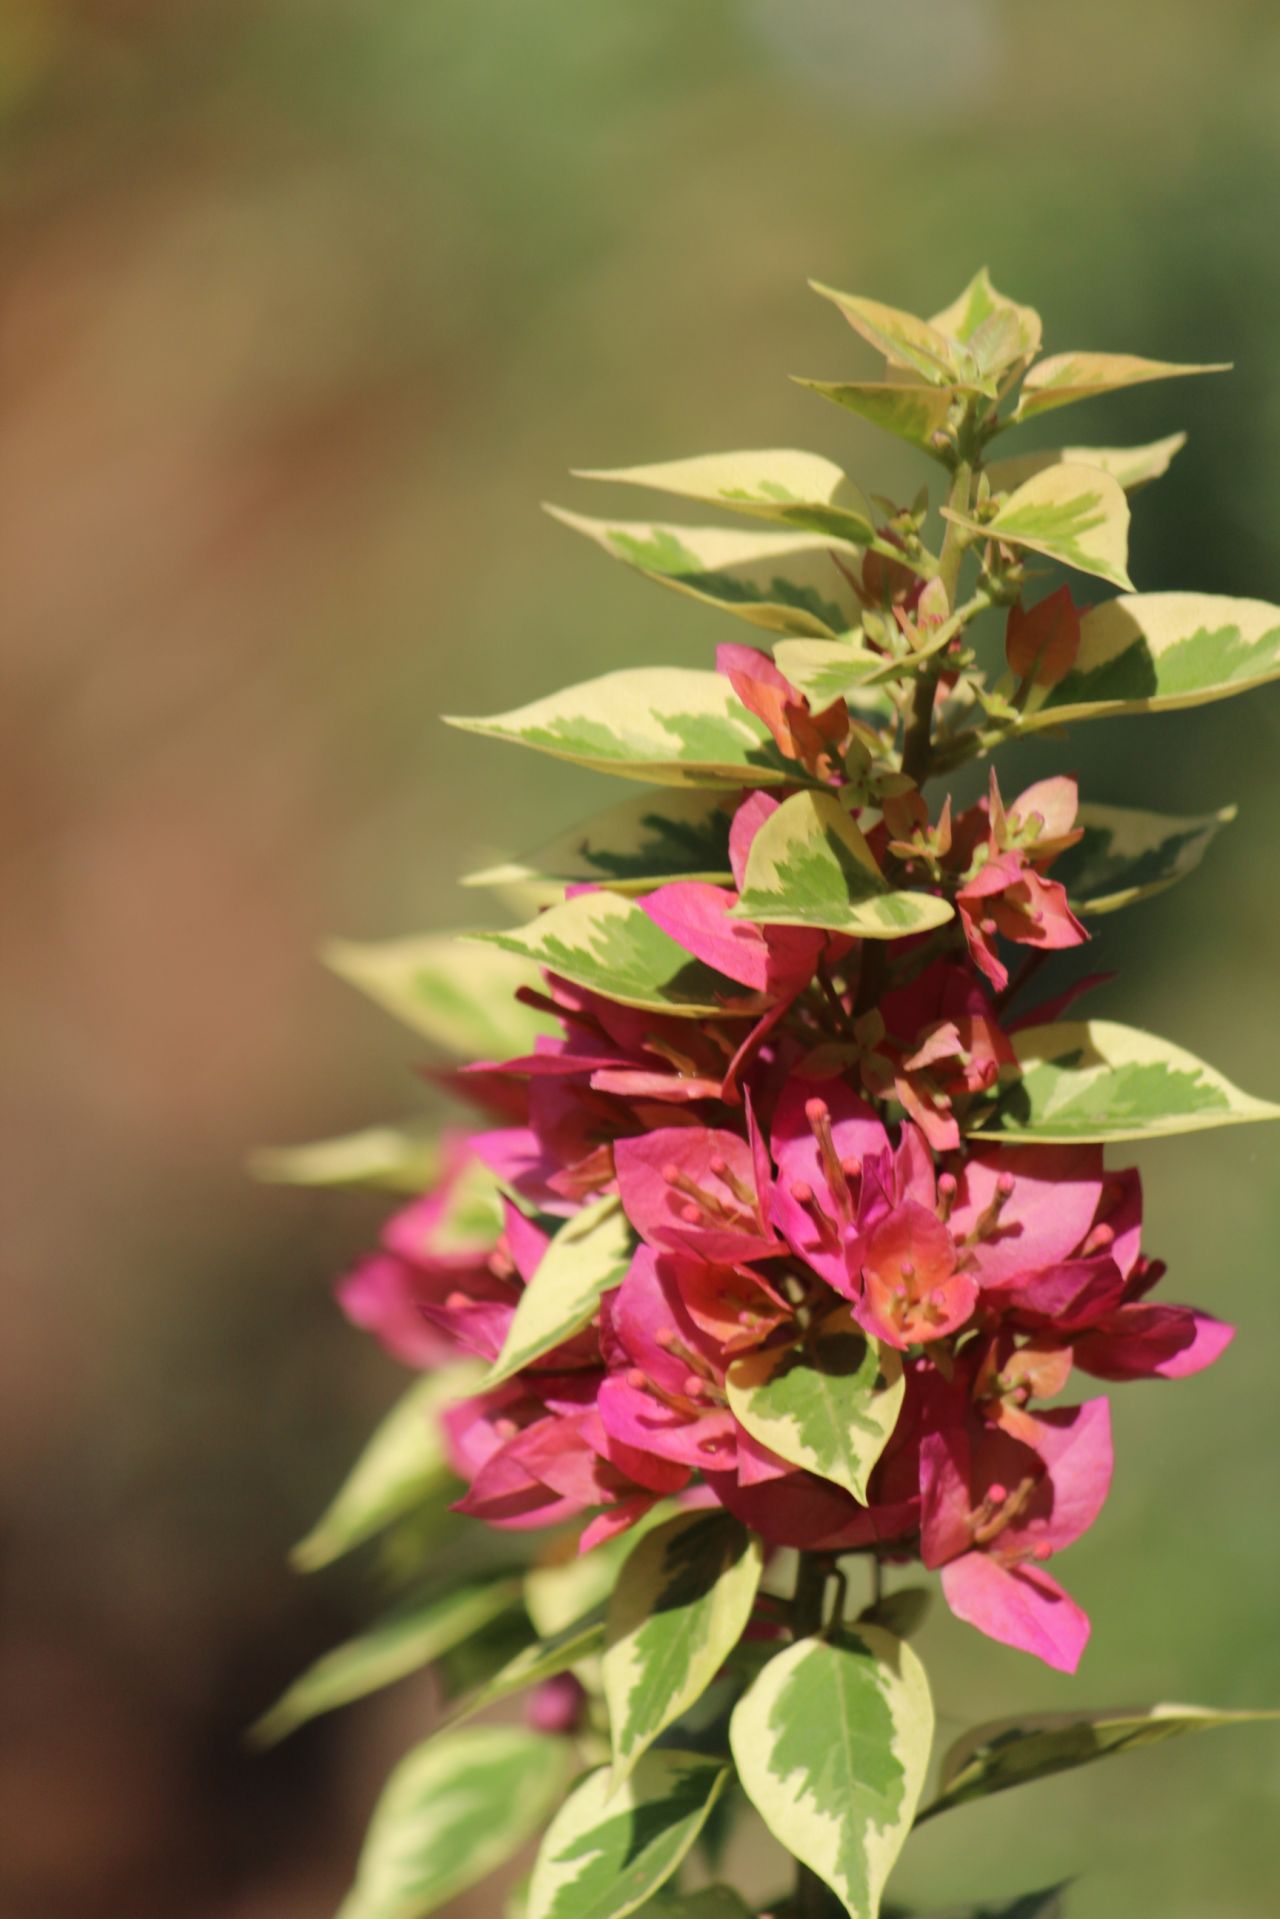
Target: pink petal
point(696, 916)
point(1020, 1606)
point(691, 1189)
point(1153, 1342)
point(1052, 1206)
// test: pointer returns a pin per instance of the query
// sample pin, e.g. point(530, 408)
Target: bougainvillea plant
point(793, 1252)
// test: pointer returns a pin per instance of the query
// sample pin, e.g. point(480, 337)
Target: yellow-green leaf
point(1075, 514)
point(774, 483)
point(827, 1402)
point(1130, 466)
point(1096, 1080)
point(809, 865)
point(589, 1255)
point(907, 341)
point(444, 990)
point(997, 330)
point(672, 725)
point(1128, 855)
point(664, 834)
point(1064, 378)
point(569, 1647)
point(395, 1159)
point(784, 582)
point(607, 944)
point(916, 414)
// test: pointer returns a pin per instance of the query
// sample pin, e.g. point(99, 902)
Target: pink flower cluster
point(776, 1166)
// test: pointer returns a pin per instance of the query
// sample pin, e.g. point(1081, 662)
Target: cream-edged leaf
point(607, 944)
point(1129, 466)
point(832, 1742)
point(1064, 378)
point(998, 331)
point(452, 1811)
point(774, 483)
point(907, 341)
point(1077, 515)
point(916, 414)
point(569, 1647)
point(1153, 652)
point(1128, 855)
point(783, 582)
point(588, 1256)
point(440, 988)
point(809, 865)
point(681, 1604)
point(827, 1402)
point(826, 670)
point(1097, 1080)
point(673, 725)
point(394, 1159)
point(608, 1851)
point(1013, 1752)
point(667, 833)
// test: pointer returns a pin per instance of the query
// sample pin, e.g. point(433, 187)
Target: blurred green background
point(308, 304)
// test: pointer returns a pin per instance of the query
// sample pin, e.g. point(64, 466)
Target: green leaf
point(1129, 466)
point(1065, 378)
point(395, 1159)
point(1152, 652)
point(777, 483)
point(713, 1902)
point(664, 834)
point(610, 946)
point(828, 1401)
point(1045, 1904)
point(810, 866)
point(916, 414)
point(568, 1583)
point(403, 1462)
point(1128, 855)
point(784, 582)
point(532, 1664)
point(441, 988)
point(1013, 1752)
point(405, 1640)
point(907, 341)
point(672, 725)
point(589, 1255)
point(607, 1852)
point(832, 1744)
point(1096, 1080)
point(996, 329)
point(1075, 514)
point(681, 1604)
point(452, 1811)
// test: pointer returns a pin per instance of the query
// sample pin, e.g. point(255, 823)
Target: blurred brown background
point(306, 304)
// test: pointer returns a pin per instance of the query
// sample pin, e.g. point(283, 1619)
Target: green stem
point(917, 743)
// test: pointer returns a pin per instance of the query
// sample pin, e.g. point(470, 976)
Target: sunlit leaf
point(664, 834)
point(907, 341)
point(589, 1255)
point(1077, 515)
point(1130, 466)
point(1128, 855)
point(606, 943)
point(784, 582)
point(395, 1159)
point(832, 1743)
point(607, 1851)
point(532, 1664)
point(452, 1811)
point(442, 989)
point(1096, 1080)
point(774, 483)
point(1064, 378)
point(916, 414)
point(809, 865)
point(827, 1402)
point(673, 725)
point(681, 1604)
point(996, 329)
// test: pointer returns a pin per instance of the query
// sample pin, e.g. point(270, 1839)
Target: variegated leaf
point(607, 944)
point(826, 670)
point(1064, 378)
point(589, 1255)
point(832, 1743)
point(665, 834)
point(672, 725)
point(532, 1664)
point(1151, 652)
point(681, 1604)
point(784, 582)
point(907, 341)
point(1129, 855)
point(1013, 1752)
point(608, 1851)
point(810, 866)
point(774, 483)
point(1129, 466)
point(402, 1642)
point(403, 1462)
point(828, 1401)
point(996, 330)
point(566, 1583)
point(395, 1159)
point(1096, 1080)
point(441, 988)
point(916, 414)
point(449, 1815)
point(1077, 515)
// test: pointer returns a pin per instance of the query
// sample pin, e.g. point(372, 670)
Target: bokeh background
point(307, 304)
